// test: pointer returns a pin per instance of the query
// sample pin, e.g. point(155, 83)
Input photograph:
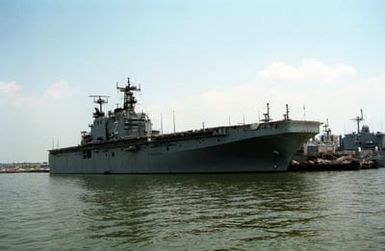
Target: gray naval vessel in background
point(365, 142)
point(122, 141)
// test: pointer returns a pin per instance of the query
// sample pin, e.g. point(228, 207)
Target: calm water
point(324, 210)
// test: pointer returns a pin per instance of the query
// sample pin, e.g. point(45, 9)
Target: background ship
point(358, 150)
point(366, 143)
point(123, 142)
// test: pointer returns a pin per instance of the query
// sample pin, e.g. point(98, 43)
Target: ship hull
point(238, 149)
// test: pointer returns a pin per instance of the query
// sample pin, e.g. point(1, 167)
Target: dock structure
point(343, 163)
point(24, 167)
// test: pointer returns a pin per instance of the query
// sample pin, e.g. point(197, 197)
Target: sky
point(208, 61)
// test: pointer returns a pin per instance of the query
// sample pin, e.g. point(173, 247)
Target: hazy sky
point(207, 60)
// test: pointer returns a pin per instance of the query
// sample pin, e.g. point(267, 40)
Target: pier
point(343, 163)
point(25, 167)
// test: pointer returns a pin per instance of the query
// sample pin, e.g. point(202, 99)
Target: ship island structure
point(123, 142)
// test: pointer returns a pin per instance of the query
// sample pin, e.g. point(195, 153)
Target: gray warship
point(123, 142)
point(365, 142)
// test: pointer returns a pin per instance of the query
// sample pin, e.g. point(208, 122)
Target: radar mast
point(286, 115)
point(358, 119)
point(129, 99)
point(267, 114)
point(99, 99)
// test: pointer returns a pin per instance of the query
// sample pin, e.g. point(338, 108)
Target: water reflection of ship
point(138, 213)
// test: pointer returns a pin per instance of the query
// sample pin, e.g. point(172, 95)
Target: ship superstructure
point(122, 123)
point(326, 143)
point(363, 139)
point(122, 141)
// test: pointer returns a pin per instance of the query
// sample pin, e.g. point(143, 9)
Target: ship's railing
point(219, 131)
